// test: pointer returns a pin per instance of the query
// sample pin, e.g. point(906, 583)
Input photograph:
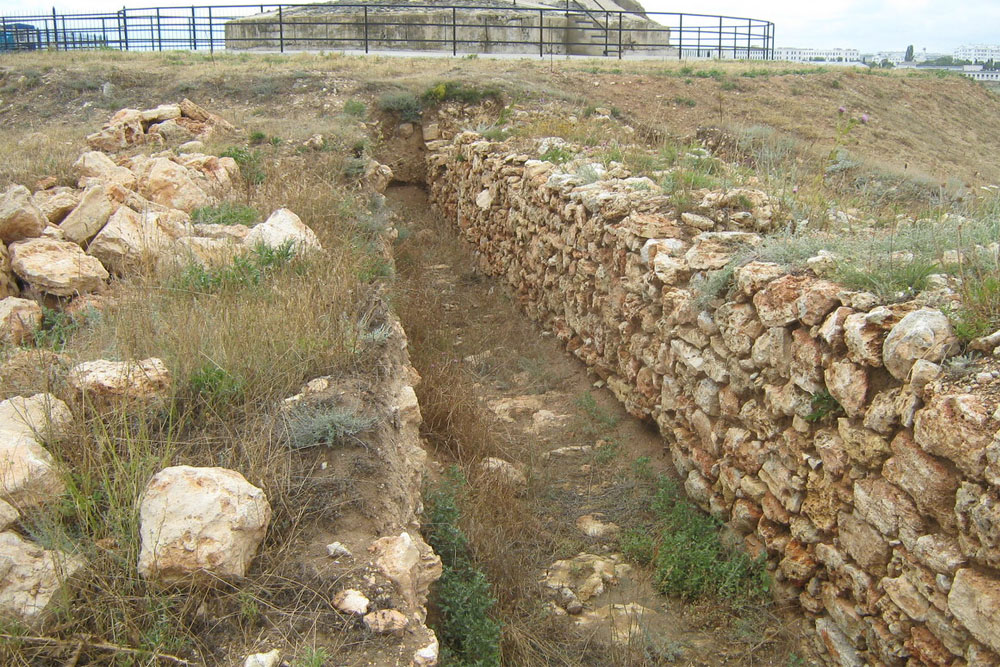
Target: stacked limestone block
point(880, 519)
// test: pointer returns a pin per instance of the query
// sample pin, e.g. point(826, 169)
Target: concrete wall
point(881, 520)
point(479, 31)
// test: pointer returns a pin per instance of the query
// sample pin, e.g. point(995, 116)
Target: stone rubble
point(817, 422)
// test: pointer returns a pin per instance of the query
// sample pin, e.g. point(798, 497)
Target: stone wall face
point(881, 518)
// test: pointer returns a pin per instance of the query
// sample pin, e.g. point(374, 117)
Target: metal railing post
point(281, 31)
point(719, 54)
point(366, 28)
point(55, 28)
point(749, 34)
point(541, 34)
point(211, 31)
point(680, 37)
point(194, 35)
point(619, 35)
point(454, 32)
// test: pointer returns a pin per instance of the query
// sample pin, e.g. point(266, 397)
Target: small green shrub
point(469, 636)
point(226, 213)
point(598, 414)
point(891, 280)
point(245, 271)
point(402, 103)
point(313, 657)
point(355, 108)
point(453, 91)
point(216, 385)
point(690, 561)
point(556, 155)
point(257, 137)
point(250, 162)
point(58, 327)
point(326, 425)
point(824, 407)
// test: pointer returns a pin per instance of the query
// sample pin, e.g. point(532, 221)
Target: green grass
point(463, 597)
point(404, 104)
point(226, 213)
point(355, 108)
point(557, 155)
point(248, 270)
point(454, 91)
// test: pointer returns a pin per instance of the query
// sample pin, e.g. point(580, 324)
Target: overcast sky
point(869, 25)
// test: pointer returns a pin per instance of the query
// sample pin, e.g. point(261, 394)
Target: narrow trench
point(496, 385)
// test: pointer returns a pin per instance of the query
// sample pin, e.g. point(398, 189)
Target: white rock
point(161, 113)
point(19, 319)
point(592, 526)
point(95, 164)
point(410, 564)
point(923, 334)
point(8, 514)
point(200, 520)
point(338, 550)
point(270, 659)
point(351, 601)
point(165, 182)
point(19, 217)
point(484, 200)
point(57, 267)
point(503, 472)
point(130, 241)
point(56, 204)
point(428, 655)
point(42, 416)
point(89, 216)
point(102, 379)
point(28, 474)
point(30, 577)
point(206, 252)
point(282, 227)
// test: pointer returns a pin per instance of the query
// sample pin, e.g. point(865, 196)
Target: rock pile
point(818, 423)
point(128, 215)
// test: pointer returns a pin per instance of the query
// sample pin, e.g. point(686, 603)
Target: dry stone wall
point(880, 518)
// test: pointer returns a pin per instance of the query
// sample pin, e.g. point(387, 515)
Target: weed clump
point(689, 559)
point(226, 213)
point(463, 596)
point(405, 104)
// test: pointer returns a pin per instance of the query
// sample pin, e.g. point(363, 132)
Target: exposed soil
point(543, 401)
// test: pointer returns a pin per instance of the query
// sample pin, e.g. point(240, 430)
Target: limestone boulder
point(351, 601)
point(165, 182)
point(131, 241)
point(30, 578)
point(220, 172)
point(97, 165)
point(200, 521)
point(409, 564)
point(378, 176)
point(818, 299)
point(924, 334)
point(19, 319)
point(28, 473)
point(90, 215)
point(172, 132)
point(8, 286)
point(57, 267)
point(57, 203)
point(848, 384)
point(713, 250)
point(670, 270)
point(864, 334)
point(20, 218)
point(101, 380)
point(386, 621)
point(161, 113)
point(282, 227)
point(205, 252)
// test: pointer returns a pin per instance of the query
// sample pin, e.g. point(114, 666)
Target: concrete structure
point(978, 53)
point(481, 26)
point(798, 55)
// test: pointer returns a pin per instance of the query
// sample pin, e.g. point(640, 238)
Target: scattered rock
point(504, 473)
point(618, 622)
point(280, 228)
point(591, 525)
point(102, 379)
point(351, 601)
point(338, 550)
point(410, 564)
point(97, 165)
point(194, 520)
point(386, 621)
point(89, 216)
point(30, 576)
point(19, 319)
point(165, 182)
point(270, 659)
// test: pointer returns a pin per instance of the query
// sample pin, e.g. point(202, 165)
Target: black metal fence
point(572, 30)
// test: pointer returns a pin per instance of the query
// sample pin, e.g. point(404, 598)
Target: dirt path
point(582, 455)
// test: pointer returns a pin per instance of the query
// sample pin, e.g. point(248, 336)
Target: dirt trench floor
point(497, 385)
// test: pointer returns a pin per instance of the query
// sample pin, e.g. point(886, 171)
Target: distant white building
point(797, 55)
point(978, 53)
